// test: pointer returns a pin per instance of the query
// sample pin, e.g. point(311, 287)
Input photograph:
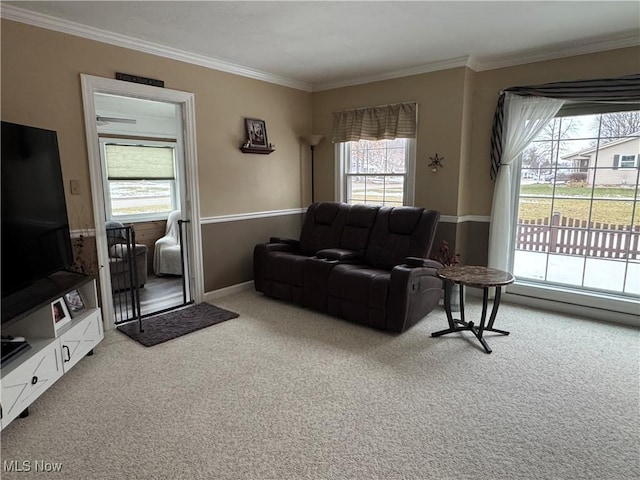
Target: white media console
point(55, 346)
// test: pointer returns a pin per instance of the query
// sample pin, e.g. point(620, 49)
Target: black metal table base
point(461, 325)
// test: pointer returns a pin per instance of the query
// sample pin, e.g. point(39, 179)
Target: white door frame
point(92, 85)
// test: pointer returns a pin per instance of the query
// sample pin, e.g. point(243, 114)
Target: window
point(578, 223)
point(140, 179)
point(376, 172)
point(628, 161)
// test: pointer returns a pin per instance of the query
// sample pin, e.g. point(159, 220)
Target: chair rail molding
point(251, 216)
point(465, 218)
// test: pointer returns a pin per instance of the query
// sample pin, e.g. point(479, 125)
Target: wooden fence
point(570, 236)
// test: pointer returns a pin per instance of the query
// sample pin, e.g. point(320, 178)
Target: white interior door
point(183, 103)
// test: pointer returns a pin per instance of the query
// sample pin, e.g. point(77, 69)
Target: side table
point(479, 277)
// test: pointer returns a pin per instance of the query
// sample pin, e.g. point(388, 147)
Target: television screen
point(35, 227)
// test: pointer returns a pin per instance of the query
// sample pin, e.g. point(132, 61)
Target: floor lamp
point(312, 141)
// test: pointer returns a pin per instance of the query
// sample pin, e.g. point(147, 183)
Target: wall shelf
point(258, 150)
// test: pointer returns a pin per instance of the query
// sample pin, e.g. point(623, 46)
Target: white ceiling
point(320, 44)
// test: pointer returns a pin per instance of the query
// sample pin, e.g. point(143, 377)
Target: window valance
point(384, 122)
point(622, 90)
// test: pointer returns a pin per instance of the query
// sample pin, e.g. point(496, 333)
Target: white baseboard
point(223, 292)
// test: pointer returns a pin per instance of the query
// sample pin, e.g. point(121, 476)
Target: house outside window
point(377, 172)
point(139, 180)
point(578, 218)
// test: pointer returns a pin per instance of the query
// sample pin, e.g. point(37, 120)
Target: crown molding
point(464, 61)
point(478, 64)
point(571, 49)
point(48, 22)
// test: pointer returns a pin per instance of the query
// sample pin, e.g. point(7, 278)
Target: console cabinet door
point(80, 340)
point(27, 382)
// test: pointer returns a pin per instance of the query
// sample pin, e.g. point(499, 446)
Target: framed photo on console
point(60, 313)
point(74, 302)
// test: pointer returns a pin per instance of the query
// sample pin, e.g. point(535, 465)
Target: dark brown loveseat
point(363, 263)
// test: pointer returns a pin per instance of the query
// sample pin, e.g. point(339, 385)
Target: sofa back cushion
point(357, 228)
point(398, 233)
point(322, 226)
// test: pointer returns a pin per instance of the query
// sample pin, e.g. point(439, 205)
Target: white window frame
point(602, 305)
point(341, 154)
point(626, 158)
point(140, 217)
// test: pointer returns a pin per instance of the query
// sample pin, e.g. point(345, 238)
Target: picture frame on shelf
point(60, 313)
point(75, 302)
point(256, 130)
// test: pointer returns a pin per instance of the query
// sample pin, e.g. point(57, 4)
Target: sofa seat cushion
point(338, 254)
point(287, 267)
point(283, 276)
point(358, 293)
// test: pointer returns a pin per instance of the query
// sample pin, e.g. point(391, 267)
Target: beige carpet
point(285, 393)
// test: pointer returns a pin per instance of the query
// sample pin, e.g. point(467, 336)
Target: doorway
point(157, 126)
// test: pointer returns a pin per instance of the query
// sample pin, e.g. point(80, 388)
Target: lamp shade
point(312, 140)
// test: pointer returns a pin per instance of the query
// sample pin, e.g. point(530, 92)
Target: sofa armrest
point(413, 293)
point(422, 262)
point(278, 247)
point(339, 254)
point(286, 241)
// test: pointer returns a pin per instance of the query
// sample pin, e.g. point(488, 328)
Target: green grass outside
point(602, 211)
point(547, 189)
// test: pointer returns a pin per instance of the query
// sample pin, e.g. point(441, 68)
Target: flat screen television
point(36, 240)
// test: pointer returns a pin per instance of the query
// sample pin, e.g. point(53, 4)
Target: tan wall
point(440, 97)
point(241, 236)
point(609, 64)
point(456, 109)
point(41, 87)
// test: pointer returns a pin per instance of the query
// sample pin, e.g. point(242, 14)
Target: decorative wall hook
point(436, 162)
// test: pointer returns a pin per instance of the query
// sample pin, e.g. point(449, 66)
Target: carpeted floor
point(287, 393)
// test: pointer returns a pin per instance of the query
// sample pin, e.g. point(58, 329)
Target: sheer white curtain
point(524, 118)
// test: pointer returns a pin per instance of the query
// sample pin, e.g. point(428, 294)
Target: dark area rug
point(174, 324)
